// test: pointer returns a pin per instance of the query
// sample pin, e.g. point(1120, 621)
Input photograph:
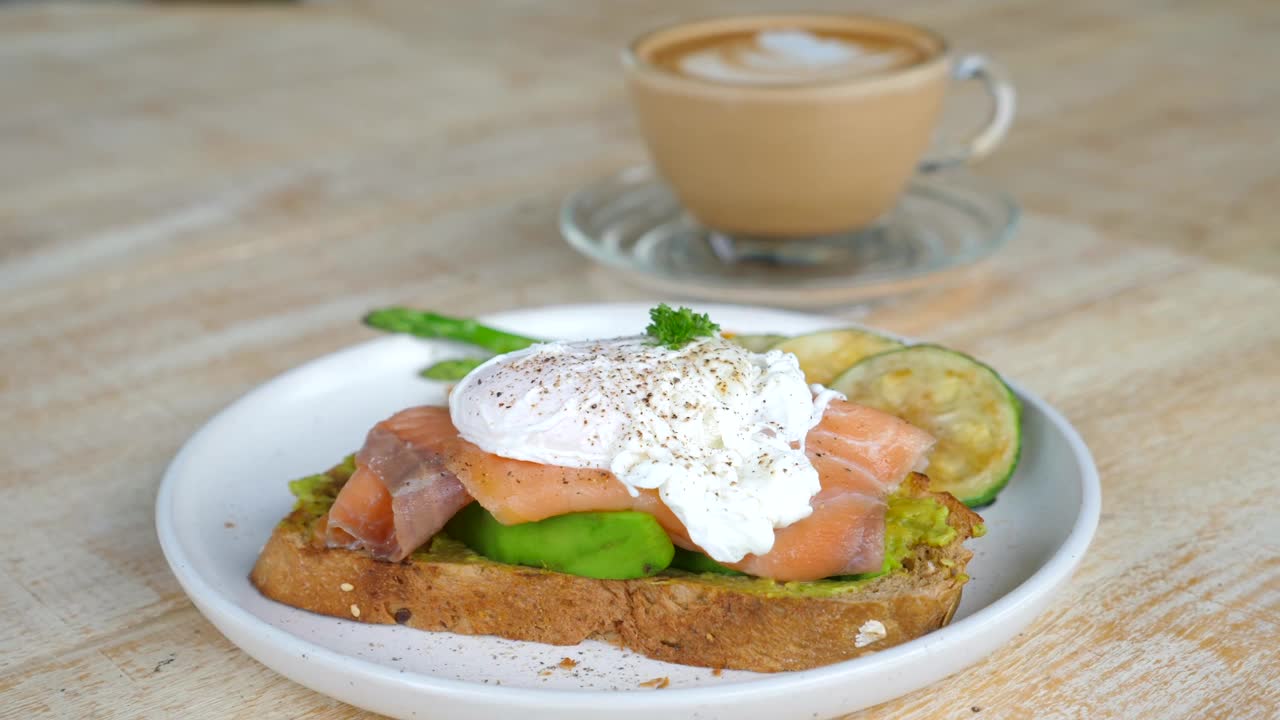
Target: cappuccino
point(794, 126)
point(784, 56)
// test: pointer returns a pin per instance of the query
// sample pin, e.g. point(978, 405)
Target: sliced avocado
point(604, 545)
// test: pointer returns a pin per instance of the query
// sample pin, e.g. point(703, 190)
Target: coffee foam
point(776, 57)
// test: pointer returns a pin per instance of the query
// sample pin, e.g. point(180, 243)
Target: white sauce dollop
point(716, 429)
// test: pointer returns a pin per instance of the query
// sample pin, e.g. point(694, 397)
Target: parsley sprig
point(675, 328)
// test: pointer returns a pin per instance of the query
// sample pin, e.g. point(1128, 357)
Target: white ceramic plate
point(226, 489)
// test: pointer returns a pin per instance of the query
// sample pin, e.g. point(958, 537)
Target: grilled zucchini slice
point(824, 355)
point(755, 343)
point(964, 404)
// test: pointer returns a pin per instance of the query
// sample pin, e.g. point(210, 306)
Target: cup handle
point(996, 82)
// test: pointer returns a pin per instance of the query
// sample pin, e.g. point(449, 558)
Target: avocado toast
point(708, 619)
point(676, 493)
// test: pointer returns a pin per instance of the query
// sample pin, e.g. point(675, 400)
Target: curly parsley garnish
point(675, 328)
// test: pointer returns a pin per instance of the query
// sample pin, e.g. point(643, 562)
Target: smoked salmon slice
point(401, 492)
point(415, 472)
point(861, 455)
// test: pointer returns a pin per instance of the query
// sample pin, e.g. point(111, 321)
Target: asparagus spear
point(452, 369)
point(433, 325)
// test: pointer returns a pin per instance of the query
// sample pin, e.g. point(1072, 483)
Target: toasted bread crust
point(681, 618)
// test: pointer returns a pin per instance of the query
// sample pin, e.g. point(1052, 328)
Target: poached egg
point(718, 431)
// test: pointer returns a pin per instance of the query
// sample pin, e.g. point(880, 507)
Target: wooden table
point(195, 198)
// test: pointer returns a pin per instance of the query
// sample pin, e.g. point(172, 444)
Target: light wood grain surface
point(195, 198)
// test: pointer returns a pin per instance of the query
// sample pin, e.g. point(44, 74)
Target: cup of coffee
point(795, 126)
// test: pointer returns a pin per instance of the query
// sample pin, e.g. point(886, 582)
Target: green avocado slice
point(605, 545)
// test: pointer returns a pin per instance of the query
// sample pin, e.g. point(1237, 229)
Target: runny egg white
point(716, 429)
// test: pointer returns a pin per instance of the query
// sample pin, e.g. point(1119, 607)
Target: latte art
point(778, 57)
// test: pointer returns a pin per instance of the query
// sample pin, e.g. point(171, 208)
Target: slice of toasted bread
point(710, 620)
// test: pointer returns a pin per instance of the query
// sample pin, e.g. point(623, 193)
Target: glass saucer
point(633, 223)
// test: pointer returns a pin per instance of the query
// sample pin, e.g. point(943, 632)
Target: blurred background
point(250, 131)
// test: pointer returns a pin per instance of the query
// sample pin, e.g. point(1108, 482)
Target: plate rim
point(1044, 580)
